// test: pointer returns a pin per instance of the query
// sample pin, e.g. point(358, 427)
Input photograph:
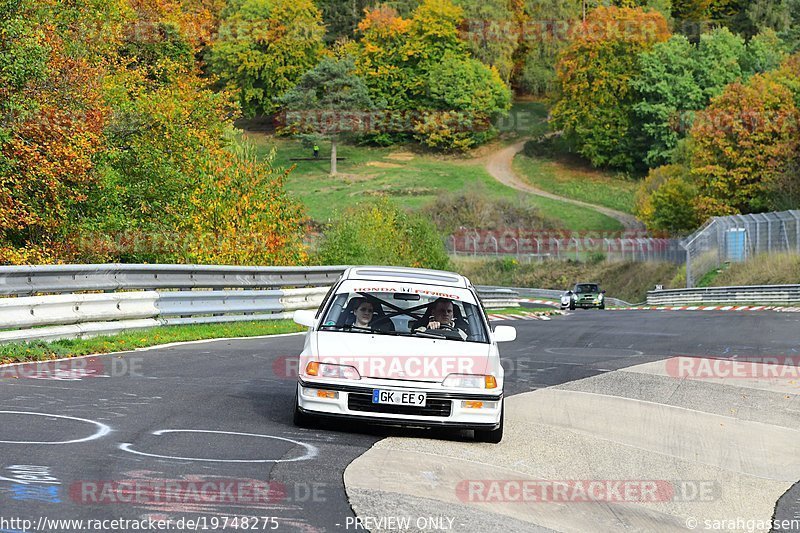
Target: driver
point(441, 314)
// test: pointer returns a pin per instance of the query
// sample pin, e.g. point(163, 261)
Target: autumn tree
point(264, 47)
point(596, 106)
point(240, 214)
point(666, 200)
point(741, 142)
point(382, 60)
point(678, 78)
point(53, 116)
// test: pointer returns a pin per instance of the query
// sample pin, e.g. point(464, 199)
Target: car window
point(404, 309)
point(587, 288)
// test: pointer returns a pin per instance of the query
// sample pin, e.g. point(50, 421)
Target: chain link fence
point(737, 238)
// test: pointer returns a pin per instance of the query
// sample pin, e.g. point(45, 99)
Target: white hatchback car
point(402, 346)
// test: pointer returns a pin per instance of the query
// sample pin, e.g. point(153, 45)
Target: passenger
point(363, 311)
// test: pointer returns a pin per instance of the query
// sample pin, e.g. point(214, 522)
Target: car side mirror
point(505, 333)
point(305, 317)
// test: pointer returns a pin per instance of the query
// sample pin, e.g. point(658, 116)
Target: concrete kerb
point(559, 434)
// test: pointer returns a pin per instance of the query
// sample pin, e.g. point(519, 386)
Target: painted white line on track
point(102, 429)
point(311, 451)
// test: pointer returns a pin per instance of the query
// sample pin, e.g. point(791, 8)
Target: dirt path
point(500, 167)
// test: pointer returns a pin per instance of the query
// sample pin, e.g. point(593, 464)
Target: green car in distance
point(585, 295)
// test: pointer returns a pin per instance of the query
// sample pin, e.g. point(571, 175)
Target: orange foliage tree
point(595, 71)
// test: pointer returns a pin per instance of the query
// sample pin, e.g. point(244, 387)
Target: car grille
point(363, 402)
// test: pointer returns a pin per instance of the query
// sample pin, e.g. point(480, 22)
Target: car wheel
point(301, 419)
point(493, 436)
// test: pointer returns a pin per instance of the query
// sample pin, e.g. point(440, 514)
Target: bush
point(475, 209)
point(380, 233)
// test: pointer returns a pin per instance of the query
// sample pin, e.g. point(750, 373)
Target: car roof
point(408, 275)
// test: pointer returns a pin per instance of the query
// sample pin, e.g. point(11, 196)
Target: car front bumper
point(443, 408)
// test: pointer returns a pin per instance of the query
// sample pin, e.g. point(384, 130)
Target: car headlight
point(470, 381)
point(328, 370)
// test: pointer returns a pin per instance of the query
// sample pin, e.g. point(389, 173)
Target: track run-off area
point(615, 421)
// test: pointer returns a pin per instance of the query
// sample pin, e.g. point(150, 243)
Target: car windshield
point(406, 309)
point(587, 287)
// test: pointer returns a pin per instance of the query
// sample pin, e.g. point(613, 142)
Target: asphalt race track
point(211, 421)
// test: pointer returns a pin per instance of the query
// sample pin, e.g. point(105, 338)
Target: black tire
point(492, 436)
point(301, 419)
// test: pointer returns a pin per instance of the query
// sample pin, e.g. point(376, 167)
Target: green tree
point(490, 33)
point(545, 31)
point(764, 52)
point(330, 100)
point(422, 64)
point(470, 94)
point(264, 47)
point(380, 233)
point(596, 106)
point(720, 55)
point(668, 88)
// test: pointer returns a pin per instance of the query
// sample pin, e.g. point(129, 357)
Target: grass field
point(44, 351)
point(573, 180)
point(412, 179)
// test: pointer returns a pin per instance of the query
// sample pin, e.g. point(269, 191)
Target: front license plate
point(416, 399)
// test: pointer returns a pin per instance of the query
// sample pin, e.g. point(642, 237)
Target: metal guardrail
point(88, 314)
point(498, 297)
point(65, 301)
point(31, 280)
point(767, 294)
point(553, 295)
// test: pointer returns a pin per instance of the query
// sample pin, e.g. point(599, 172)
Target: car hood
point(393, 357)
